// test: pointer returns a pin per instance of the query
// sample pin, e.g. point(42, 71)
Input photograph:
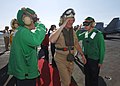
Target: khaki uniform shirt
point(60, 43)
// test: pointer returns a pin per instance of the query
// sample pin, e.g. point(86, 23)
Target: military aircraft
point(112, 28)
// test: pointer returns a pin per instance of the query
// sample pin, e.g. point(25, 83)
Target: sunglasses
point(86, 23)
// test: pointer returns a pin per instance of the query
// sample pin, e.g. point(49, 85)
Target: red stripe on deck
point(49, 75)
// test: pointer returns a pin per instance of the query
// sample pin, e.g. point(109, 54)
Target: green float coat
point(94, 47)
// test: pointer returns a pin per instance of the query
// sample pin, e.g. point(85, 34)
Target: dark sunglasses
point(86, 23)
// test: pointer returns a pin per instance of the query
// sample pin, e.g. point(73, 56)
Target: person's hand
point(79, 28)
point(100, 65)
point(64, 24)
point(84, 59)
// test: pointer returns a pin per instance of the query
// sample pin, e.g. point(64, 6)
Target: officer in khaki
point(59, 37)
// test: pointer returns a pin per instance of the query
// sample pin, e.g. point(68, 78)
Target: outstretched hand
point(79, 28)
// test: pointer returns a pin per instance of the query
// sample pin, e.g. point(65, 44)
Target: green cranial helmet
point(90, 19)
point(25, 11)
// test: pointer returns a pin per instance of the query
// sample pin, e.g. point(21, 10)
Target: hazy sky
point(49, 11)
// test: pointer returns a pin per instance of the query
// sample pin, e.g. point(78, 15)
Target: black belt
point(65, 49)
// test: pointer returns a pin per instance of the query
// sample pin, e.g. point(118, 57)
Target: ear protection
point(23, 14)
point(93, 24)
point(27, 20)
point(61, 21)
point(13, 22)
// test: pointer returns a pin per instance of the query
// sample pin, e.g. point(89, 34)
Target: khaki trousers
point(65, 69)
point(6, 41)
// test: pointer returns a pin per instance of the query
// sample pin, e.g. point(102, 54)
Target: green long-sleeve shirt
point(93, 44)
point(23, 62)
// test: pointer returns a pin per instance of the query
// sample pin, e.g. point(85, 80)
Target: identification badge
point(86, 34)
point(93, 35)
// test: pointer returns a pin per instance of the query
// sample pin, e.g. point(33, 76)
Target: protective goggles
point(87, 23)
point(69, 13)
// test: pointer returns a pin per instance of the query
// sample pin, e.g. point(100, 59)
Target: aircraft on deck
point(112, 28)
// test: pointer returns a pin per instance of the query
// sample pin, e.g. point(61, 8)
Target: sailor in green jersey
point(23, 62)
point(94, 50)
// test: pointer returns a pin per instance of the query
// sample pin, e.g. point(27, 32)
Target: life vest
point(68, 36)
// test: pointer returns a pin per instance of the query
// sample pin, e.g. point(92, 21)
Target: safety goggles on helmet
point(35, 18)
point(69, 13)
point(87, 23)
